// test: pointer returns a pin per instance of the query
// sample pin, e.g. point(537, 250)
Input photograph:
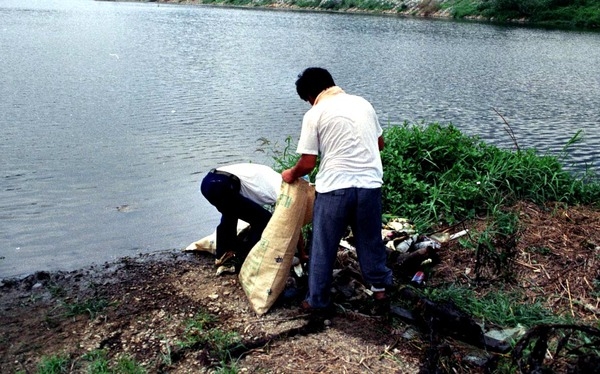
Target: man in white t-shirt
point(345, 132)
point(241, 191)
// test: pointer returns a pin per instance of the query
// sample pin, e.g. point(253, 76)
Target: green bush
point(435, 173)
point(461, 8)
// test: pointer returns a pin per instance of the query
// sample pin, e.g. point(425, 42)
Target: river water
point(112, 112)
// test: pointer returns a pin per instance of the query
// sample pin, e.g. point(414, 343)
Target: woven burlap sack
point(266, 268)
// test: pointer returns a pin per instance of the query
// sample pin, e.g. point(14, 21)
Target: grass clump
point(99, 363)
point(498, 307)
point(91, 306)
point(94, 362)
point(201, 333)
point(434, 174)
point(55, 364)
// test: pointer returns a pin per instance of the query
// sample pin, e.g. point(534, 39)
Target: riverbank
point(583, 15)
point(169, 312)
point(411, 8)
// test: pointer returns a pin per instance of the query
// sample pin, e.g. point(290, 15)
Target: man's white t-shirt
point(344, 130)
point(259, 183)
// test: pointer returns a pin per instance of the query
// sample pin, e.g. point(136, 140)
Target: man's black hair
point(312, 81)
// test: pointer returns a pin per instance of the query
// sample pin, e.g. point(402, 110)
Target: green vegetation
point(54, 365)
point(98, 363)
point(502, 308)
point(92, 307)
point(583, 14)
point(567, 13)
point(436, 174)
point(462, 8)
point(94, 362)
point(200, 334)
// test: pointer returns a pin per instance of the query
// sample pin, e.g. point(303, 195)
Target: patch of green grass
point(56, 364)
point(92, 307)
point(227, 369)
point(94, 362)
point(370, 5)
point(127, 365)
point(499, 307)
point(495, 246)
point(434, 173)
point(56, 290)
point(201, 332)
point(98, 362)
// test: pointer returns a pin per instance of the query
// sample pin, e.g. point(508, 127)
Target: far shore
point(414, 11)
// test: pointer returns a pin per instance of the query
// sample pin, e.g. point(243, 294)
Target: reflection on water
point(110, 105)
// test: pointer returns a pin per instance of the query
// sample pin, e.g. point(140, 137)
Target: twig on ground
point(299, 316)
point(546, 272)
point(570, 298)
point(527, 265)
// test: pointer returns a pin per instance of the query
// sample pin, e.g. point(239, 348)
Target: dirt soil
point(147, 301)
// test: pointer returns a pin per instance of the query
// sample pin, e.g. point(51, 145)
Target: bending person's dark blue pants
point(223, 191)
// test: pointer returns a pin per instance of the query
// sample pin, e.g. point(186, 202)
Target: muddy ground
point(139, 307)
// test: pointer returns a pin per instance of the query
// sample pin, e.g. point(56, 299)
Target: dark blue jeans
point(224, 193)
point(359, 208)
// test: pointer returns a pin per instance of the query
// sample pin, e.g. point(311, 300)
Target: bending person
point(241, 191)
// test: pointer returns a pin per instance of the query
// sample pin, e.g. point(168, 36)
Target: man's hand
point(288, 176)
point(305, 165)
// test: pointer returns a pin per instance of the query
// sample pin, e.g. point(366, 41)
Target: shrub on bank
point(435, 173)
point(571, 13)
